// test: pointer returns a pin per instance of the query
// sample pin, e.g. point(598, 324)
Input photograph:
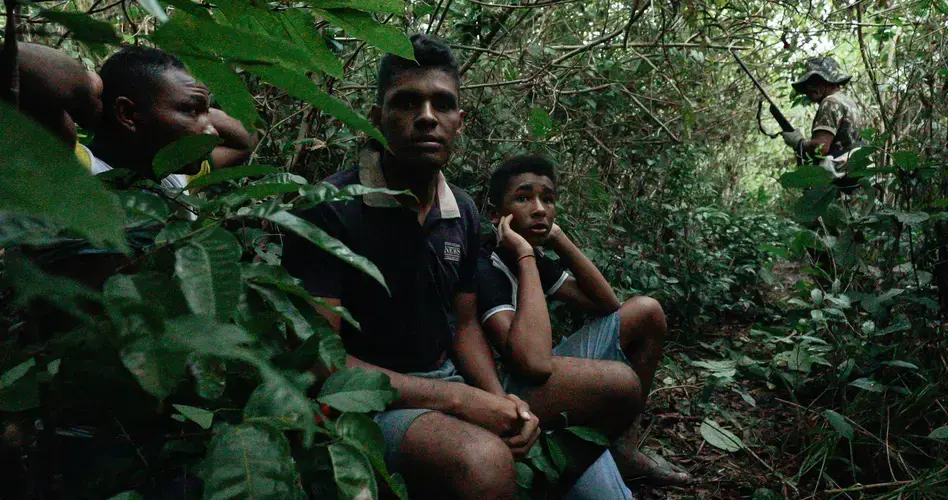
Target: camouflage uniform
point(838, 114)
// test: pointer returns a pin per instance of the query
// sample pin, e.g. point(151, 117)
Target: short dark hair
point(429, 53)
point(134, 72)
point(517, 165)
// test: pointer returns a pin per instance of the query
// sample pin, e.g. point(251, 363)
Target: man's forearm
point(475, 361)
point(418, 392)
point(588, 278)
point(231, 131)
point(530, 338)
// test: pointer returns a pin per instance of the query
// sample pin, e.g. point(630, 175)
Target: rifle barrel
point(754, 79)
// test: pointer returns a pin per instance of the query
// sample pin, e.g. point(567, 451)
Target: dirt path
point(682, 398)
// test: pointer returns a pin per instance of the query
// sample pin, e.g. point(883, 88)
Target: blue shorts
point(598, 339)
point(395, 423)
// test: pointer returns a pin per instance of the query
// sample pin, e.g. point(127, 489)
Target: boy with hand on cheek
point(601, 374)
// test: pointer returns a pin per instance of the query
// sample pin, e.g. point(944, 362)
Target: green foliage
point(70, 198)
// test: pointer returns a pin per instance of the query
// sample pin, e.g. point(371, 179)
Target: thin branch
point(524, 6)
point(676, 45)
point(444, 14)
point(863, 487)
point(478, 49)
point(649, 113)
point(589, 89)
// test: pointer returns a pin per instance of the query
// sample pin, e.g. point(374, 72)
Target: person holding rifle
point(839, 121)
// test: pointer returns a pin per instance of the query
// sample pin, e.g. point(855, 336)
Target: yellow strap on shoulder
point(82, 154)
point(205, 169)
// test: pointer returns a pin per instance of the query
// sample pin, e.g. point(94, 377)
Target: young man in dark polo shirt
point(449, 439)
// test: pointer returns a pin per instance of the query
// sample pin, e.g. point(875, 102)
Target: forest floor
point(761, 417)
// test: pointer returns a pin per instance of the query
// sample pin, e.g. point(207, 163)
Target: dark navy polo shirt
point(498, 280)
point(424, 266)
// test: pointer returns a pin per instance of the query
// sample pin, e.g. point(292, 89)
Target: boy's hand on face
point(555, 235)
point(511, 240)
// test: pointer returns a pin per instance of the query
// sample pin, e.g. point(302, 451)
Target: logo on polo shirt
point(452, 251)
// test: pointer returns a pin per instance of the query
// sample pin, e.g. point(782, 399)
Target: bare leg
point(642, 332)
point(443, 457)
point(598, 393)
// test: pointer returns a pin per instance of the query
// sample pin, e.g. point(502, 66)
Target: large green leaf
point(210, 273)
point(283, 397)
point(139, 304)
point(319, 238)
point(195, 37)
point(840, 424)
point(230, 174)
point(228, 88)
point(390, 6)
point(939, 433)
point(183, 152)
point(867, 384)
point(191, 8)
point(30, 282)
point(278, 277)
point(157, 369)
point(302, 87)
point(353, 473)
point(41, 177)
point(249, 461)
point(282, 304)
point(19, 387)
point(719, 437)
point(22, 230)
point(83, 26)
point(363, 433)
point(814, 203)
point(200, 416)
point(589, 434)
point(301, 28)
point(143, 208)
point(332, 352)
point(203, 335)
point(362, 26)
point(357, 390)
point(806, 176)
